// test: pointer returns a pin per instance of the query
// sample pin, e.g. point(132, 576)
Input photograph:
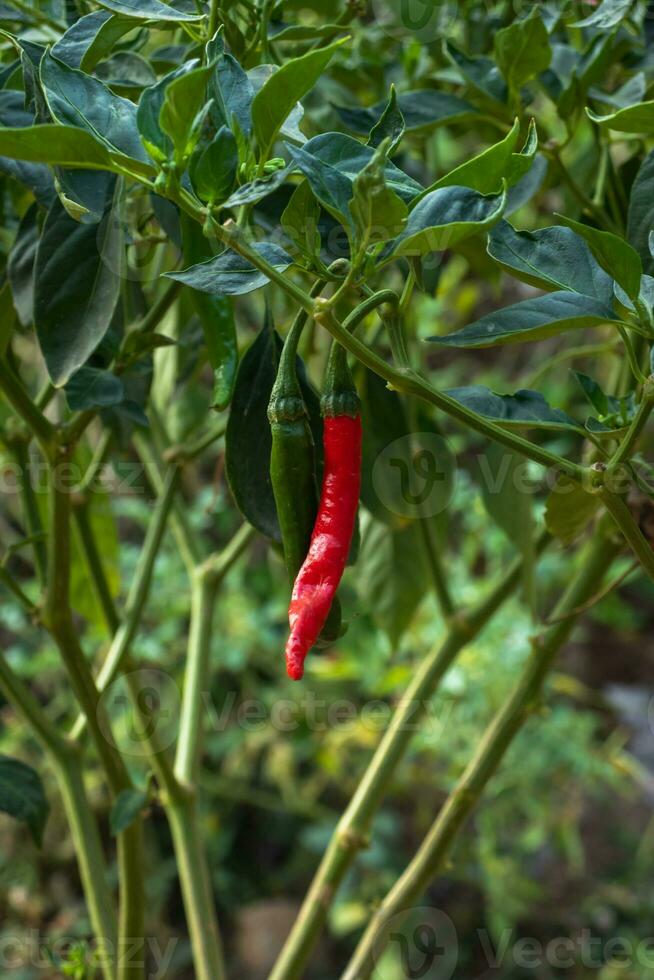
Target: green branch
point(353, 828)
point(433, 852)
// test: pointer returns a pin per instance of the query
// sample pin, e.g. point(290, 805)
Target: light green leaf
point(640, 215)
point(275, 100)
point(153, 10)
point(522, 50)
point(213, 167)
point(180, 114)
point(637, 118)
point(607, 15)
point(392, 576)
point(66, 146)
point(569, 510)
point(377, 211)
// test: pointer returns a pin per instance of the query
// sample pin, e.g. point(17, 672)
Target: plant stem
point(204, 587)
point(22, 404)
point(631, 532)
point(94, 562)
point(33, 523)
point(626, 447)
point(470, 786)
point(10, 583)
point(58, 619)
point(212, 26)
point(138, 592)
point(64, 758)
point(353, 827)
point(197, 893)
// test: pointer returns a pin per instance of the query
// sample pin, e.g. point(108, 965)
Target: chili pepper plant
point(239, 246)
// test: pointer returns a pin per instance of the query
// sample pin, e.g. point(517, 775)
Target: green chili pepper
point(293, 466)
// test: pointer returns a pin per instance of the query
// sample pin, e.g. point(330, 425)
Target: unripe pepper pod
point(293, 466)
point(321, 572)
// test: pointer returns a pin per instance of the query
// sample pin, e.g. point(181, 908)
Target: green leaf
point(36, 176)
point(607, 15)
point(507, 496)
point(377, 211)
point(569, 510)
point(447, 216)
point(522, 50)
point(524, 409)
point(532, 319)
point(275, 100)
point(300, 220)
point(640, 215)
point(384, 421)
point(93, 388)
point(486, 171)
point(390, 125)
point(148, 113)
point(349, 157)
point(248, 442)
point(233, 93)
point(332, 188)
point(78, 99)
point(422, 110)
point(617, 257)
point(180, 114)
point(637, 118)
point(128, 807)
point(66, 146)
point(392, 576)
point(213, 167)
point(91, 39)
point(217, 318)
point(550, 258)
point(255, 190)
point(22, 795)
point(20, 265)
point(7, 318)
point(153, 10)
point(228, 274)
point(481, 73)
point(77, 285)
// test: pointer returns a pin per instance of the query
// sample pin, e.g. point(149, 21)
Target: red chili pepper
point(321, 572)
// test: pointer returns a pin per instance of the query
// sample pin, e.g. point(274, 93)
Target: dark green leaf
point(126, 70)
point(93, 388)
point(527, 186)
point(78, 99)
point(550, 258)
point(248, 441)
point(446, 216)
point(300, 220)
point(377, 211)
point(84, 193)
point(569, 510)
point(228, 274)
point(212, 168)
point(481, 73)
point(532, 319)
point(36, 176)
point(22, 795)
point(128, 806)
point(332, 188)
point(275, 100)
point(153, 10)
point(91, 39)
point(390, 125)
point(616, 256)
point(7, 318)
point(393, 576)
point(217, 318)
point(20, 266)
point(524, 409)
point(422, 109)
point(348, 156)
point(233, 93)
point(640, 216)
point(255, 190)
point(77, 288)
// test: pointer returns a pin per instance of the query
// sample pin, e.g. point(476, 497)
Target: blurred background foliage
point(564, 838)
